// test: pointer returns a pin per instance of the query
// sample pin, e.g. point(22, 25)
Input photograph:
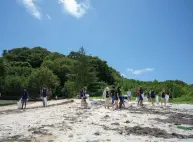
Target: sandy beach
point(64, 120)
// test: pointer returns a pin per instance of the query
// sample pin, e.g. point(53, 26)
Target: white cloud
point(32, 8)
point(141, 71)
point(74, 8)
point(122, 74)
point(48, 16)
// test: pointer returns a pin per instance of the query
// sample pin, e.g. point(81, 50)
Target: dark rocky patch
point(39, 131)
point(146, 131)
point(116, 124)
point(97, 133)
point(177, 119)
point(16, 138)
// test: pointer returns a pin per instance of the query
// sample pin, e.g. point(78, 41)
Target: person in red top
point(138, 94)
point(83, 97)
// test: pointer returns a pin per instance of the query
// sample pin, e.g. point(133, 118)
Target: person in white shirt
point(129, 95)
point(106, 95)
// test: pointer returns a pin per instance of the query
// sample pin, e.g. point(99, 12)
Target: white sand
point(68, 122)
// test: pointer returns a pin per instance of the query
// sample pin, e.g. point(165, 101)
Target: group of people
point(25, 96)
point(151, 95)
point(113, 97)
point(118, 100)
point(83, 96)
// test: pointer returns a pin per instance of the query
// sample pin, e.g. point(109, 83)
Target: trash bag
point(88, 103)
point(19, 103)
point(145, 99)
point(126, 103)
point(94, 102)
point(157, 99)
point(167, 98)
point(142, 96)
point(136, 99)
point(87, 95)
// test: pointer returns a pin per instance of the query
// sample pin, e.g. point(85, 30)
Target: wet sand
point(64, 120)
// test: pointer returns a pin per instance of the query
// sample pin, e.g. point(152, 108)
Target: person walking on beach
point(116, 100)
point(141, 95)
point(140, 100)
point(153, 97)
point(44, 95)
point(113, 96)
point(163, 100)
point(106, 95)
point(138, 94)
point(149, 95)
point(121, 98)
point(83, 97)
point(129, 95)
point(24, 98)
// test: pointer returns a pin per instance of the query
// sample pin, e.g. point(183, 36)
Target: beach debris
point(127, 121)
point(97, 133)
point(70, 135)
point(184, 128)
point(117, 124)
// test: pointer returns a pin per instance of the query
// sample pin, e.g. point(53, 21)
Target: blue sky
point(142, 39)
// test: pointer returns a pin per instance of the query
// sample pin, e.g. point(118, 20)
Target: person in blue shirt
point(24, 98)
point(44, 94)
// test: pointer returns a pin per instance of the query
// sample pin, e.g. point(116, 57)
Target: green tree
point(43, 77)
point(14, 86)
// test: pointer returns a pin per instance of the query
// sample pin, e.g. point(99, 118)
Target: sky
point(142, 39)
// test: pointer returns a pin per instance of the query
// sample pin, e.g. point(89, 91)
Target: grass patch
point(7, 102)
point(96, 97)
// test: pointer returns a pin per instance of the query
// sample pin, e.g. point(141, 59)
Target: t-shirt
point(44, 92)
point(152, 94)
point(25, 94)
point(129, 93)
point(112, 92)
point(141, 91)
point(163, 95)
point(121, 98)
point(107, 94)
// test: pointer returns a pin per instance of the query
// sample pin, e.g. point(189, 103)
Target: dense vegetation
point(65, 75)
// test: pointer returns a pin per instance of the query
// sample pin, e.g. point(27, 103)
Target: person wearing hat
point(106, 95)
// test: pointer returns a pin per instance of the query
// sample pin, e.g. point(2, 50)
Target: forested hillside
point(65, 75)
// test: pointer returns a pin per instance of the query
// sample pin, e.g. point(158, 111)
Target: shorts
point(140, 97)
point(113, 99)
point(107, 101)
point(24, 100)
point(129, 97)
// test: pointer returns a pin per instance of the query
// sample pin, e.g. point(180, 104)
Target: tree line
point(65, 75)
